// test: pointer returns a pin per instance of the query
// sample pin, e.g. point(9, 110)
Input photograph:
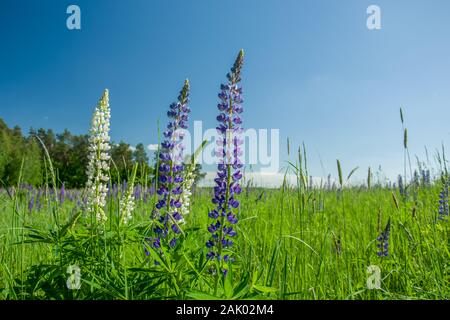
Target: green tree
point(139, 154)
point(5, 149)
point(78, 161)
point(20, 157)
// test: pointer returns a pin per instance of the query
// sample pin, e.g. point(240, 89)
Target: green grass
point(287, 248)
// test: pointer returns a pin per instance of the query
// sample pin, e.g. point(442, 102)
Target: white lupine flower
point(187, 191)
point(127, 205)
point(98, 165)
point(127, 202)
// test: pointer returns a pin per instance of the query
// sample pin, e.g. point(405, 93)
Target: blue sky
point(312, 70)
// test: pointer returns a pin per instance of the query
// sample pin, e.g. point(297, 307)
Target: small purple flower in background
point(170, 179)
point(115, 191)
point(443, 211)
point(426, 177)
point(383, 241)
point(31, 204)
point(145, 197)
point(38, 200)
point(123, 187)
point(62, 194)
point(137, 192)
point(222, 229)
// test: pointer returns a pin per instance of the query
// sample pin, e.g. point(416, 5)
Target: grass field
point(293, 243)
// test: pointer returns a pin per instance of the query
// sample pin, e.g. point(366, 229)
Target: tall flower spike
point(383, 241)
point(62, 194)
point(98, 166)
point(443, 211)
point(228, 169)
point(128, 200)
point(168, 207)
point(186, 194)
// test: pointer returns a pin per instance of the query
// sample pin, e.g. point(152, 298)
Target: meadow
point(166, 238)
point(288, 248)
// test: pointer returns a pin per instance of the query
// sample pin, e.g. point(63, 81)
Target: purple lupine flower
point(228, 169)
point(124, 187)
point(31, 204)
point(443, 211)
point(137, 192)
point(170, 169)
point(426, 180)
point(38, 200)
point(383, 241)
point(62, 194)
point(115, 191)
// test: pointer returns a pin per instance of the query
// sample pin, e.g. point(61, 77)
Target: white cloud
point(152, 147)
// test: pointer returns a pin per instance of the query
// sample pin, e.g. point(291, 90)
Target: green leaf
point(351, 173)
point(228, 286)
point(264, 289)
point(197, 295)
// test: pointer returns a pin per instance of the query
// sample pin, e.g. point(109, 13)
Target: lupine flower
point(169, 206)
point(186, 193)
point(115, 191)
point(62, 194)
point(137, 192)
point(443, 211)
point(127, 202)
point(228, 169)
point(31, 204)
point(38, 200)
point(98, 165)
point(383, 241)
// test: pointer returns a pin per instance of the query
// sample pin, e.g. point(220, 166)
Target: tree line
point(23, 160)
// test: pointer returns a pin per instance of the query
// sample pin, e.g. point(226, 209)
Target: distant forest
point(22, 157)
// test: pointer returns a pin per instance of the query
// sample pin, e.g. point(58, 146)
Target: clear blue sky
point(312, 69)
